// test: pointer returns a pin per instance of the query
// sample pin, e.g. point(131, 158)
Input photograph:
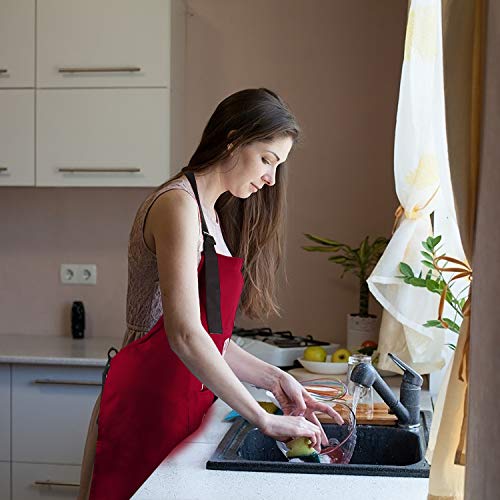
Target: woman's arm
point(291, 395)
point(251, 369)
point(173, 222)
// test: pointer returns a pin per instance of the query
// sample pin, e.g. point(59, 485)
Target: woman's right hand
point(286, 427)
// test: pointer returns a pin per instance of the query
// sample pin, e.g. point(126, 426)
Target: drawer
point(5, 480)
point(4, 413)
point(51, 408)
point(36, 481)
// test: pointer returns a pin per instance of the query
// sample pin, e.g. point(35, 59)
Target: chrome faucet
point(407, 409)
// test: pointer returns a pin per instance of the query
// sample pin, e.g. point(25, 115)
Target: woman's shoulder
point(181, 184)
point(176, 197)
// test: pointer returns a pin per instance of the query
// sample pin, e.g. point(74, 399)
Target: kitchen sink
point(380, 451)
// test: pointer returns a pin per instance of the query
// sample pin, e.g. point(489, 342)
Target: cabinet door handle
point(55, 483)
point(4, 70)
point(3, 169)
point(112, 69)
point(73, 170)
point(47, 381)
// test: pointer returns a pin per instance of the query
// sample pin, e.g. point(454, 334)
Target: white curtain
point(423, 186)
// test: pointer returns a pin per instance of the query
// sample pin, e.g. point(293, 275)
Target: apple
point(315, 353)
point(369, 343)
point(301, 448)
point(341, 356)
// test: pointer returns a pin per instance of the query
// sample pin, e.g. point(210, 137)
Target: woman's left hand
point(295, 400)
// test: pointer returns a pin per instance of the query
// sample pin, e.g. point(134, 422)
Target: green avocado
point(301, 448)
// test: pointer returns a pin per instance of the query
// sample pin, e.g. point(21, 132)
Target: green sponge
point(301, 448)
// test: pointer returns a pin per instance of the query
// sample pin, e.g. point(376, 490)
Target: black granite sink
point(380, 451)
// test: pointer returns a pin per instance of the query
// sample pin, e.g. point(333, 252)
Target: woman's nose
point(269, 179)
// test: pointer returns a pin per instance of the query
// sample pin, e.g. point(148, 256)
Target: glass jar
point(366, 393)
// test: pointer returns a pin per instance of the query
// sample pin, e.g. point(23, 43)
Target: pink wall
point(337, 64)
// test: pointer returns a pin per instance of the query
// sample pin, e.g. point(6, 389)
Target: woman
point(164, 379)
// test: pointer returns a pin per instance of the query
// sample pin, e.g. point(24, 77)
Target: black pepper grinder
point(77, 320)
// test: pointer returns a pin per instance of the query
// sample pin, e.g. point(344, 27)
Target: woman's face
point(255, 166)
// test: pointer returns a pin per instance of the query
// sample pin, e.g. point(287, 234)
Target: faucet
point(408, 408)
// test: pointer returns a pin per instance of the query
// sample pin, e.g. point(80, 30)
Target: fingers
point(324, 437)
point(324, 408)
point(315, 431)
point(286, 428)
point(332, 413)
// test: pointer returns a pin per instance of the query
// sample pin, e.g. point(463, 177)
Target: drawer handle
point(55, 483)
point(3, 169)
point(71, 170)
point(47, 381)
point(4, 70)
point(116, 69)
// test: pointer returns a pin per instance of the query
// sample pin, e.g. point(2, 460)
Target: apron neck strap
point(212, 284)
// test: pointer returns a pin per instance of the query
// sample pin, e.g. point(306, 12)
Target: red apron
point(150, 400)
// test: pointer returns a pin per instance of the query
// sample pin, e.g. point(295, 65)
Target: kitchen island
point(183, 474)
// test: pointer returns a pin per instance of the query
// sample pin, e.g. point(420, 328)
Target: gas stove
point(279, 348)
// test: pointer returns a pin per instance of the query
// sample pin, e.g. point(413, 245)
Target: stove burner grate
point(282, 338)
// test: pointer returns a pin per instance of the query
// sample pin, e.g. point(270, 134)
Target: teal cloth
point(234, 414)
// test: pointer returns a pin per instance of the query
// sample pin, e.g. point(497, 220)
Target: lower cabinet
point(51, 408)
point(42, 444)
point(5, 480)
point(36, 481)
point(4, 413)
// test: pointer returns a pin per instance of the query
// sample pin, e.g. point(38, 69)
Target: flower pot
point(360, 329)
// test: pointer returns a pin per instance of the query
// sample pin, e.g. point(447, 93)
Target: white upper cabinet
point(102, 137)
point(17, 43)
point(96, 43)
point(17, 137)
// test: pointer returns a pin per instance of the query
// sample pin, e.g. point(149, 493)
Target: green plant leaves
point(325, 241)
point(358, 261)
point(364, 250)
point(432, 286)
point(321, 249)
point(433, 323)
point(338, 259)
point(427, 255)
point(406, 270)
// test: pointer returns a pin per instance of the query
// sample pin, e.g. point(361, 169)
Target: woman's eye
point(265, 161)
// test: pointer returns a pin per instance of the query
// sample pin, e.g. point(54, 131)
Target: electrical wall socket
point(78, 274)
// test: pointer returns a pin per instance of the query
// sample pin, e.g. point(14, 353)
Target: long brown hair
point(253, 228)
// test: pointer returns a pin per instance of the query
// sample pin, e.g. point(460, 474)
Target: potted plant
point(360, 261)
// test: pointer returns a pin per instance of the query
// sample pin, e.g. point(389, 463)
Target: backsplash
point(43, 228)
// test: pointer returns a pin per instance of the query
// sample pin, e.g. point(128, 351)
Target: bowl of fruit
point(316, 360)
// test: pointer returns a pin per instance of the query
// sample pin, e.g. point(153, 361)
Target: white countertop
point(52, 350)
point(182, 475)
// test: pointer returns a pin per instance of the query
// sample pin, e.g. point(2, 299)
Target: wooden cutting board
point(380, 409)
point(380, 415)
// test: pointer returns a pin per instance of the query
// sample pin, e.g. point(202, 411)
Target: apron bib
point(150, 400)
